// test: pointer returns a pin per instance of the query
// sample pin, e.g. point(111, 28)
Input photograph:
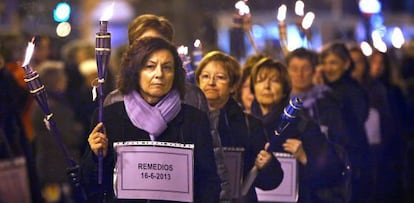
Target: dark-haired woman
point(152, 83)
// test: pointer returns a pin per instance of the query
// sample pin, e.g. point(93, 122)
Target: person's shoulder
point(330, 98)
point(116, 107)
point(195, 97)
point(191, 111)
point(253, 119)
point(113, 97)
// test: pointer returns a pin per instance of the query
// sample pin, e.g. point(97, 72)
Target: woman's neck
point(214, 105)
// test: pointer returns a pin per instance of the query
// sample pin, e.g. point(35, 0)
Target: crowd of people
point(352, 140)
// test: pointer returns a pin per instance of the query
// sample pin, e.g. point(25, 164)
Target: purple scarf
point(153, 119)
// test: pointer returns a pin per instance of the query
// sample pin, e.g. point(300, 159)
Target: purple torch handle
point(37, 89)
point(102, 53)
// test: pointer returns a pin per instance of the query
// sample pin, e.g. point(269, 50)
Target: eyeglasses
point(219, 78)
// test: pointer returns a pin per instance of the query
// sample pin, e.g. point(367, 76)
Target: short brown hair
point(279, 67)
point(147, 22)
point(229, 63)
point(136, 56)
point(303, 53)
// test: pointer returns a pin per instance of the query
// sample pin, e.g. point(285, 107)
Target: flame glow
point(308, 20)
point(242, 7)
point(366, 48)
point(299, 8)
point(108, 12)
point(379, 44)
point(182, 50)
point(197, 43)
point(397, 38)
point(29, 52)
point(281, 13)
point(370, 6)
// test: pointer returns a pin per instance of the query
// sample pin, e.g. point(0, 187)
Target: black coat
point(323, 168)
point(355, 110)
point(325, 108)
point(237, 129)
point(190, 126)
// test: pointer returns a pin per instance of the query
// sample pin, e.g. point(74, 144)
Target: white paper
point(288, 189)
point(161, 171)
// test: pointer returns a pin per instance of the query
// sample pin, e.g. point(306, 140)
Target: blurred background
point(211, 21)
point(65, 32)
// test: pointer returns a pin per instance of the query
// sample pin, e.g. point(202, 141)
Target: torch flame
point(281, 13)
point(242, 7)
point(182, 50)
point(308, 20)
point(197, 43)
point(379, 44)
point(29, 52)
point(108, 12)
point(397, 38)
point(366, 48)
point(299, 8)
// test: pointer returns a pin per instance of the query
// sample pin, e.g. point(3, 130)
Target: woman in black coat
point(337, 66)
point(320, 168)
point(218, 75)
point(152, 82)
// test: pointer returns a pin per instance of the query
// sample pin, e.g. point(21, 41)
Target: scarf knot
point(152, 119)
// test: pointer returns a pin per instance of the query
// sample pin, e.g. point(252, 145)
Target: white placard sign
point(154, 170)
point(288, 189)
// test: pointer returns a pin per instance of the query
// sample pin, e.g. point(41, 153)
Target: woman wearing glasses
point(218, 75)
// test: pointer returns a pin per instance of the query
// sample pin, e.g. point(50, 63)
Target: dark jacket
point(323, 168)
point(355, 110)
point(50, 159)
point(237, 129)
point(325, 108)
point(189, 126)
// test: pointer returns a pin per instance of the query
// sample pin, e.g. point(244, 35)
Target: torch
point(102, 53)
point(306, 25)
point(299, 11)
point(197, 52)
point(245, 21)
point(281, 16)
point(37, 89)
point(288, 116)
point(183, 53)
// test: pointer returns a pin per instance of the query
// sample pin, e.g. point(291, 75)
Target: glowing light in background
point(366, 48)
point(242, 7)
point(308, 20)
point(182, 50)
point(62, 12)
point(197, 43)
point(397, 38)
point(379, 44)
point(299, 8)
point(369, 6)
point(63, 29)
point(258, 31)
point(294, 40)
point(281, 13)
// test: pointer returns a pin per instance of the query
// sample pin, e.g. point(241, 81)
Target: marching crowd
point(352, 140)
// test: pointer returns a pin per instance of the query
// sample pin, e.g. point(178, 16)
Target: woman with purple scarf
point(152, 82)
